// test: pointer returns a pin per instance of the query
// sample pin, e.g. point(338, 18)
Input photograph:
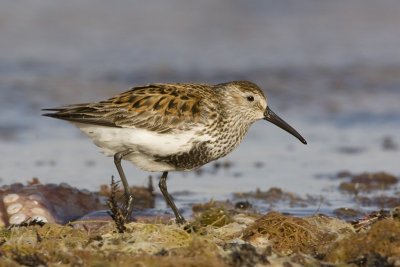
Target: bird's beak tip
point(270, 116)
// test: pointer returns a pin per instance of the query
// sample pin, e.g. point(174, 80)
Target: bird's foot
point(191, 227)
point(180, 220)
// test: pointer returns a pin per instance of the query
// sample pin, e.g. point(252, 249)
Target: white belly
point(143, 144)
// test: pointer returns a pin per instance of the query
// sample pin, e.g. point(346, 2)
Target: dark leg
point(128, 205)
point(163, 187)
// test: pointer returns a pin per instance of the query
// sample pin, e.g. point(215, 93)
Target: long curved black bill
point(270, 116)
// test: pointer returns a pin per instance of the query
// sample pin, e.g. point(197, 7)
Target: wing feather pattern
point(156, 107)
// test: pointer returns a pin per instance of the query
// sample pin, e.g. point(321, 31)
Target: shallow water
point(327, 69)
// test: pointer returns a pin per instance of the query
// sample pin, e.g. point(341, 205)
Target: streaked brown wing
point(156, 107)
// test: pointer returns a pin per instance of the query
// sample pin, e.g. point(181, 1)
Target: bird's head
point(248, 103)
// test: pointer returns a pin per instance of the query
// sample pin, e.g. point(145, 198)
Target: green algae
point(383, 239)
point(241, 240)
point(287, 234)
point(216, 216)
point(140, 244)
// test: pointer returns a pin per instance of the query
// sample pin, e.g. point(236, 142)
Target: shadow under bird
point(165, 127)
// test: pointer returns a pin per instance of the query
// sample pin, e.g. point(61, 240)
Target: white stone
point(10, 198)
point(14, 208)
point(17, 218)
point(38, 211)
point(40, 218)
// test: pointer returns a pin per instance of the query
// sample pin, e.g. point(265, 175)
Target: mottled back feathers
point(156, 107)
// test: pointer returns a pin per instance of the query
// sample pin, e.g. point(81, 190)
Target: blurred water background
point(329, 68)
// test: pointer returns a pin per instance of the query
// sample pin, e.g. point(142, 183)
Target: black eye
point(250, 98)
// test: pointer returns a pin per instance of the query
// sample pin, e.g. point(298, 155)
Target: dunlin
point(165, 127)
